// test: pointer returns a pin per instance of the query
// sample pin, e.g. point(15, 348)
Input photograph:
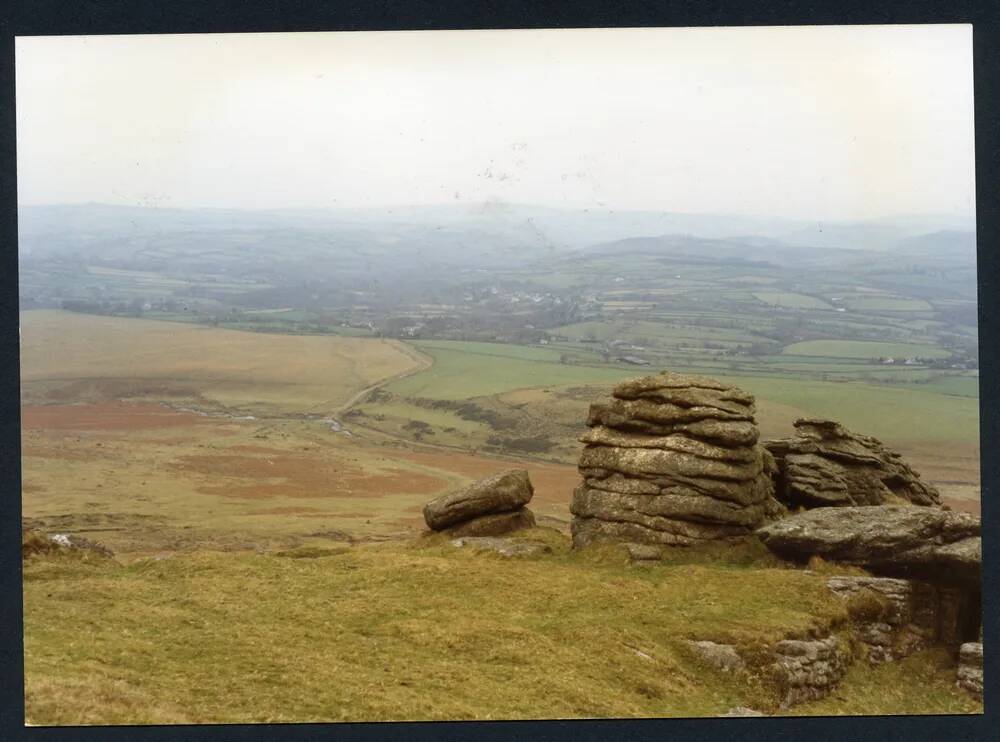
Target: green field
point(463, 370)
point(940, 411)
point(863, 349)
point(886, 304)
point(667, 332)
point(790, 299)
point(893, 413)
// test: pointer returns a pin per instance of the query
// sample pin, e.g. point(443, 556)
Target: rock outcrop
point(670, 460)
point(970, 668)
point(809, 669)
point(720, 656)
point(889, 540)
point(489, 507)
point(911, 615)
point(825, 464)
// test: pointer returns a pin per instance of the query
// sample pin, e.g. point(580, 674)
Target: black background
point(49, 17)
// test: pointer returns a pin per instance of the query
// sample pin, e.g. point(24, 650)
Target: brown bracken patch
point(106, 416)
point(963, 505)
point(296, 475)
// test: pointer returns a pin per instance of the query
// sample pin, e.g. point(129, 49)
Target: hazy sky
point(809, 122)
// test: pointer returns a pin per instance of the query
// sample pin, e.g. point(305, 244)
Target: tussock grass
point(415, 630)
point(311, 552)
point(34, 542)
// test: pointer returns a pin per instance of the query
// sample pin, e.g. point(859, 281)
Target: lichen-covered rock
point(500, 493)
point(809, 669)
point(503, 546)
point(721, 656)
point(890, 540)
point(970, 668)
point(826, 465)
point(494, 524)
point(672, 460)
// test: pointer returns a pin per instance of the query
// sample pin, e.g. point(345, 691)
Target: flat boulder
point(891, 540)
point(501, 493)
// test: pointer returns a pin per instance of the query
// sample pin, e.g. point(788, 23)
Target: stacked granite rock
point(489, 507)
point(825, 464)
point(672, 459)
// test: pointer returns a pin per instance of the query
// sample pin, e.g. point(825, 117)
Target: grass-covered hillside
point(423, 630)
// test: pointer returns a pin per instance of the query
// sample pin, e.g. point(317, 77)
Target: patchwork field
point(790, 299)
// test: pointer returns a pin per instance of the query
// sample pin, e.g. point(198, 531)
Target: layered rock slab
point(672, 459)
point(825, 464)
point(890, 540)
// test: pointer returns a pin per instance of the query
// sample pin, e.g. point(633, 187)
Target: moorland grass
point(244, 370)
point(413, 630)
point(923, 683)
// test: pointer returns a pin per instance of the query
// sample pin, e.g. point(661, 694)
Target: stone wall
point(809, 669)
point(917, 614)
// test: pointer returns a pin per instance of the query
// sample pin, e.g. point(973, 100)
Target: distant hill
point(951, 243)
point(490, 226)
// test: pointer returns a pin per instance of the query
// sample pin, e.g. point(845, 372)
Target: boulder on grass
point(501, 493)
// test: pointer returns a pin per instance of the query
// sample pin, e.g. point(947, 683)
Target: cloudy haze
point(813, 123)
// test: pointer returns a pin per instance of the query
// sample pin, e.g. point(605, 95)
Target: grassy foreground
point(416, 630)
